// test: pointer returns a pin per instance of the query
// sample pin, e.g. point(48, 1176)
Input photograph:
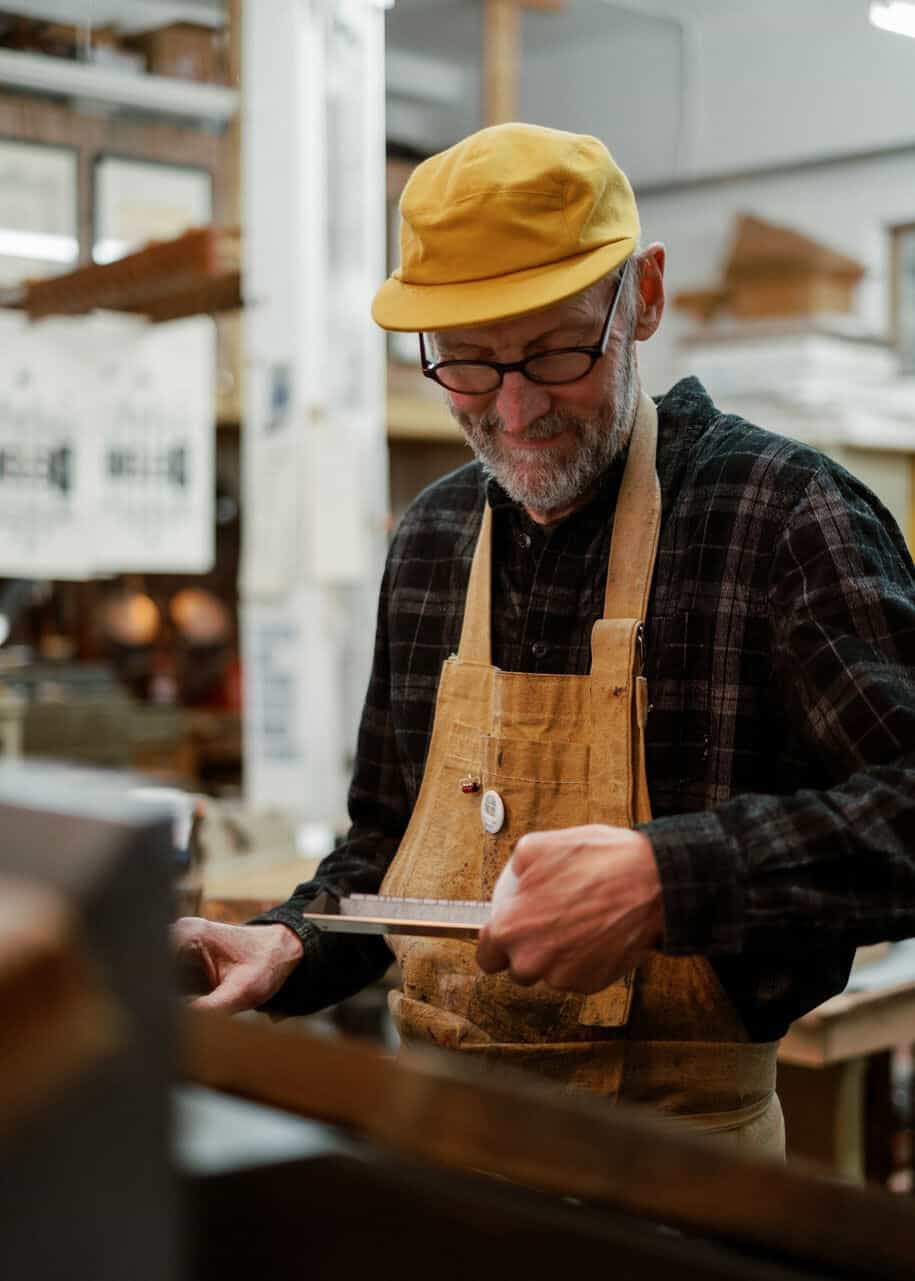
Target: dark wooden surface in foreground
point(438, 1110)
point(363, 1213)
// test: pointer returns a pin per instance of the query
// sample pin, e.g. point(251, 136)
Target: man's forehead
point(581, 307)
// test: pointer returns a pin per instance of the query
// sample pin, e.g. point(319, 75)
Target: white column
point(314, 446)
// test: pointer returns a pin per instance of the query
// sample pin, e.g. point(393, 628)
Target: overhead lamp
point(894, 15)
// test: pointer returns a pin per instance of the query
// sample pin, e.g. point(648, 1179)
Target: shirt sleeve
point(760, 871)
point(335, 966)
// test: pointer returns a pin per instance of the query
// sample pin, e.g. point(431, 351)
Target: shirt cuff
point(699, 866)
point(285, 914)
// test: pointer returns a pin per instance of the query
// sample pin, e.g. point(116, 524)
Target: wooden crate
point(184, 50)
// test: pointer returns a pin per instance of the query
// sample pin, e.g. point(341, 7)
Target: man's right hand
point(236, 967)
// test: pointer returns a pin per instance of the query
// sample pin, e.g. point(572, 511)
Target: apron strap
point(476, 640)
point(636, 526)
point(633, 545)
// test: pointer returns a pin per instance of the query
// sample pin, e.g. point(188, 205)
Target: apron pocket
point(417, 1021)
point(437, 857)
point(542, 786)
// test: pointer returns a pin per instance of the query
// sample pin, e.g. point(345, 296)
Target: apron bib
point(516, 752)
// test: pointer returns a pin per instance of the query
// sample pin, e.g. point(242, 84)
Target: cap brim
point(410, 308)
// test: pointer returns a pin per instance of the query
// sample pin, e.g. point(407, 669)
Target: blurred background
point(199, 463)
point(205, 443)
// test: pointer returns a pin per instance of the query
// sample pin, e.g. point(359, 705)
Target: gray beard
point(554, 480)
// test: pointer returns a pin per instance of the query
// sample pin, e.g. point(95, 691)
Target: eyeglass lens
point(551, 367)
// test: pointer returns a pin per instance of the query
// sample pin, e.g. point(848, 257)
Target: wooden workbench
point(833, 1079)
point(236, 889)
point(833, 1063)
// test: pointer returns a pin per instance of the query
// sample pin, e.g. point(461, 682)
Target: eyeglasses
point(555, 367)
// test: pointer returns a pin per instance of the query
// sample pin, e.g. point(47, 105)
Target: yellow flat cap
point(510, 220)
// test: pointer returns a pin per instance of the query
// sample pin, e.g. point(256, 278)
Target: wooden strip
point(501, 60)
point(153, 275)
point(442, 1109)
point(207, 295)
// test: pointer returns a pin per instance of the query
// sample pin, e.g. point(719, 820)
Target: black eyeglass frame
point(431, 369)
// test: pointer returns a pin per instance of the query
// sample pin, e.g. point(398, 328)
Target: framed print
point(902, 294)
point(39, 210)
point(135, 201)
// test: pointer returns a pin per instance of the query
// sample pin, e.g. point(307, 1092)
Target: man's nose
point(519, 402)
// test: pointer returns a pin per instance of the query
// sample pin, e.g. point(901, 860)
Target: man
point(652, 958)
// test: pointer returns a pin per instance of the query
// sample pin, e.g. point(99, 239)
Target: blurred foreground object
point(59, 1022)
point(86, 1035)
point(576, 1178)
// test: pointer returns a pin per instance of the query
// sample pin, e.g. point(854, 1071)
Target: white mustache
point(541, 429)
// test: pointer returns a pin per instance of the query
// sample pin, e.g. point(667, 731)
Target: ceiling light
point(894, 15)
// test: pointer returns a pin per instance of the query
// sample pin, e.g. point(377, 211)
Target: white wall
point(675, 88)
point(848, 205)
point(821, 82)
point(597, 83)
point(721, 86)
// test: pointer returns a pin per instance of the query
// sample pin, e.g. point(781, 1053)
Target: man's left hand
point(586, 909)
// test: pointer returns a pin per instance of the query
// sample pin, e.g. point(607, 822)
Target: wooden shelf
point(194, 274)
point(158, 95)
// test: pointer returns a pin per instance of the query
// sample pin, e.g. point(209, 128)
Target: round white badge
point(492, 812)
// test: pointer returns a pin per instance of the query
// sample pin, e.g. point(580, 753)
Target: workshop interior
point(282, 421)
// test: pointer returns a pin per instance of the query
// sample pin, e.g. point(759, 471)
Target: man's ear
point(651, 289)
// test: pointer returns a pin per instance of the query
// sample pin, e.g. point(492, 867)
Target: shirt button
point(540, 649)
point(524, 540)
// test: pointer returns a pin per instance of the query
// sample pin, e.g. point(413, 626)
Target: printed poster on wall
point(47, 427)
point(153, 457)
point(274, 647)
point(106, 446)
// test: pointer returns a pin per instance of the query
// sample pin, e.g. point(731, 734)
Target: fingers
point(560, 842)
point(234, 967)
point(491, 957)
point(523, 964)
point(528, 850)
point(196, 969)
point(574, 918)
point(187, 929)
point(235, 994)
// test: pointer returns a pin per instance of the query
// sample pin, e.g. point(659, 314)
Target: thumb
point(233, 995)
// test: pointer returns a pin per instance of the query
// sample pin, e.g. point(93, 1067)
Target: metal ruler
point(378, 914)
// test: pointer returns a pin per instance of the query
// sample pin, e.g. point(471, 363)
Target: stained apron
point(561, 751)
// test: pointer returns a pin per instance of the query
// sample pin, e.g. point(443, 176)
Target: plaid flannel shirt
point(780, 658)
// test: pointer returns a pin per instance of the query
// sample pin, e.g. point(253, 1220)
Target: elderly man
point(601, 552)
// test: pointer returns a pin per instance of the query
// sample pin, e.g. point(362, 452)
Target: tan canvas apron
point(560, 751)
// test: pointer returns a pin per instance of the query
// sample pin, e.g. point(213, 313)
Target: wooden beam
point(501, 61)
